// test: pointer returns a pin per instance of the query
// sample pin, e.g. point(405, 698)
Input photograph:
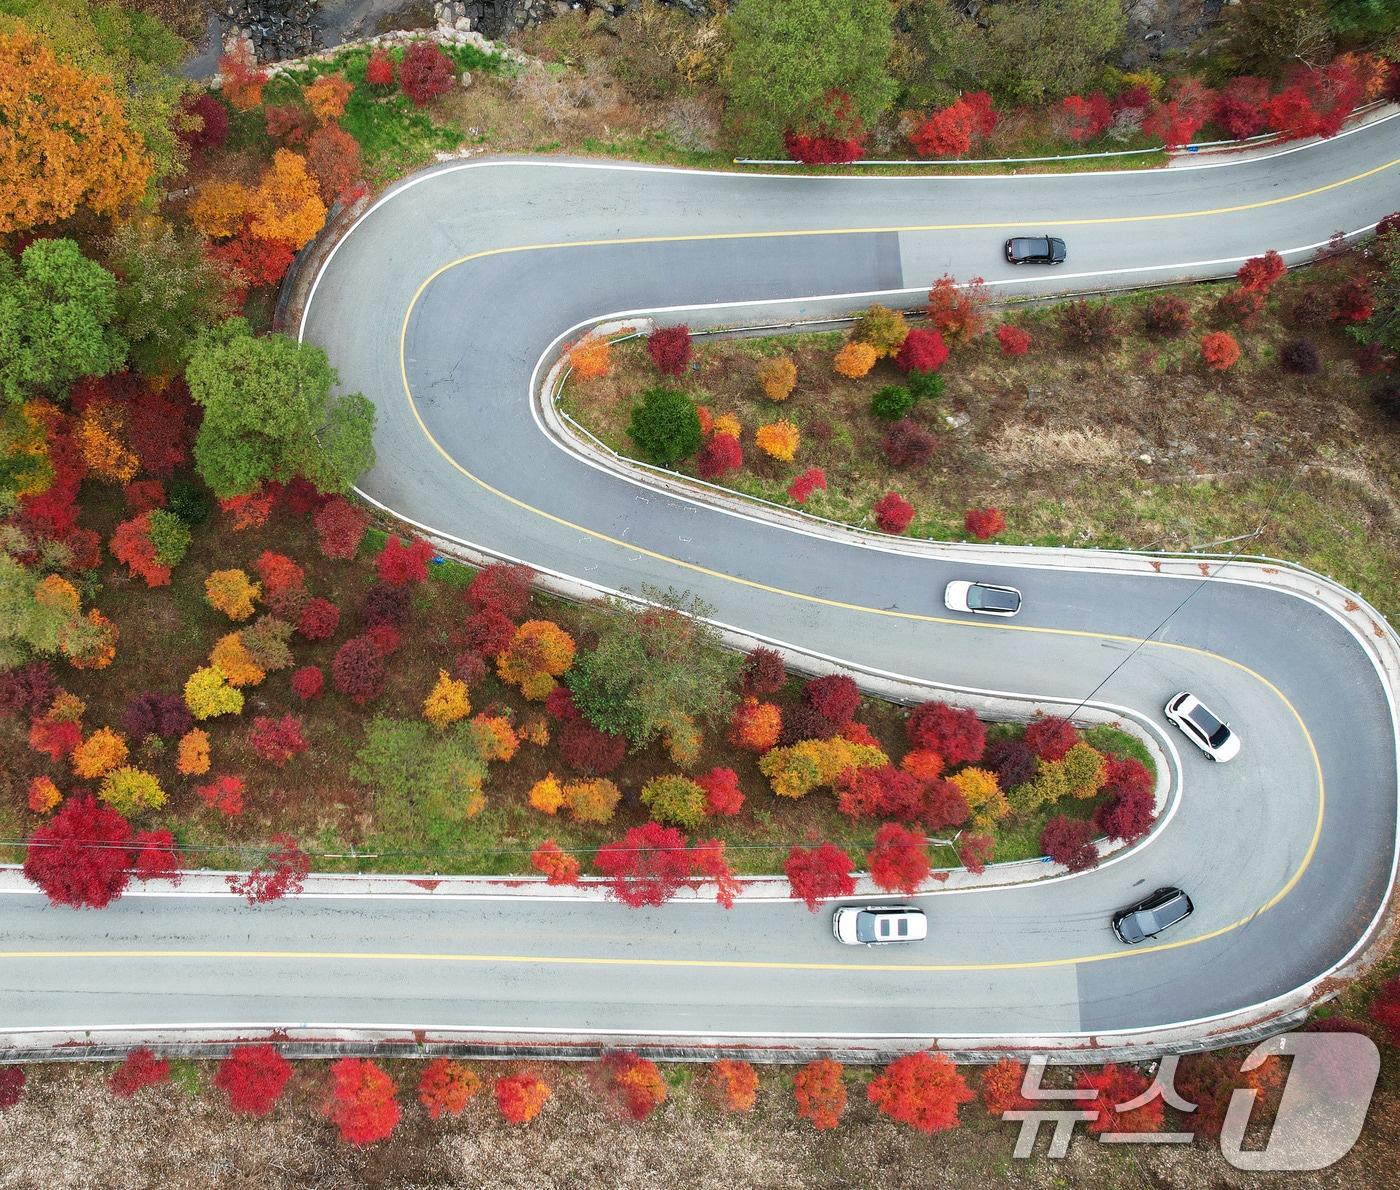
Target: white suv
point(1210, 734)
point(878, 925)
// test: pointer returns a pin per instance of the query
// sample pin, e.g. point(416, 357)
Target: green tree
point(1037, 51)
point(56, 313)
point(30, 625)
point(652, 666)
point(665, 426)
point(140, 54)
point(425, 781)
point(1383, 326)
point(787, 55)
point(267, 404)
point(169, 292)
point(937, 53)
point(1361, 17)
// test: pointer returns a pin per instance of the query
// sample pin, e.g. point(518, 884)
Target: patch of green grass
point(1107, 738)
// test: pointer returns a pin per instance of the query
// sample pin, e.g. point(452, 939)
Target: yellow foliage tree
point(218, 210)
point(65, 142)
point(100, 440)
point(231, 592)
point(854, 360)
point(882, 328)
point(208, 694)
point(796, 770)
point(287, 204)
point(593, 801)
point(494, 738)
point(130, 790)
point(192, 759)
point(984, 797)
point(547, 795)
point(727, 423)
point(591, 358)
point(99, 754)
point(447, 701)
point(778, 439)
point(778, 376)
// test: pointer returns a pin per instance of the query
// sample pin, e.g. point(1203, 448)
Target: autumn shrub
point(922, 351)
point(205, 126)
point(447, 701)
point(835, 696)
point(675, 801)
point(153, 714)
point(881, 328)
point(1261, 273)
point(820, 1091)
point(1116, 1086)
point(358, 670)
point(1127, 814)
point(42, 795)
point(28, 689)
point(1001, 1087)
point(557, 866)
point(899, 860)
point(1238, 307)
point(803, 485)
point(723, 797)
point(819, 873)
point(1014, 340)
point(721, 455)
point(379, 70)
point(254, 1078)
point(384, 604)
point(906, 444)
point(232, 658)
point(539, 652)
point(762, 672)
point(223, 794)
point(79, 857)
point(131, 545)
point(647, 866)
point(99, 754)
point(893, 513)
point(231, 592)
point(665, 426)
point(286, 206)
point(401, 563)
point(586, 749)
point(277, 740)
point(732, 1085)
point(670, 349)
point(363, 1101)
point(289, 124)
point(521, 1097)
point(1219, 350)
point(318, 619)
point(446, 1087)
point(209, 695)
point(192, 755)
point(1070, 841)
point(778, 440)
point(327, 96)
point(592, 801)
point(1353, 301)
point(1167, 315)
point(425, 72)
point(921, 1090)
point(139, 1070)
point(1086, 324)
point(1239, 107)
point(1299, 357)
point(340, 527)
point(129, 790)
point(984, 523)
point(955, 733)
point(633, 1084)
point(777, 376)
point(1050, 738)
point(755, 726)
point(268, 643)
point(855, 360)
point(891, 402)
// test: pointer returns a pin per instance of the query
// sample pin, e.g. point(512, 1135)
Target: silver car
point(983, 599)
point(1211, 734)
point(878, 925)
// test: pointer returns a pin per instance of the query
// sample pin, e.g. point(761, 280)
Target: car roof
point(996, 598)
point(1202, 717)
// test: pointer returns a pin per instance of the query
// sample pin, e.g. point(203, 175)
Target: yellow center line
point(805, 598)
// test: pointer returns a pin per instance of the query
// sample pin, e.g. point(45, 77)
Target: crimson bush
point(762, 672)
point(923, 350)
point(835, 696)
point(425, 73)
point(79, 857)
point(358, 670)
point(383, 604)
point(670, 349)
point(1086, 324)
point(893, 513)
point(587, 750)
point(163, 715)
point(1299, 357)
point(1070, 841)
point(308, 682)
point(908, 444)
point(721, 455)
point(319, 619)
point(502, 587)
point(955, 733)
point(1168, 316)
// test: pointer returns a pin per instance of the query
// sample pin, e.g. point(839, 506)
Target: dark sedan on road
point(1035, 250)
point(1153, 914)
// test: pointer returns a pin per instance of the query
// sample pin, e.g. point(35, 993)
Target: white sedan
point(982, 599)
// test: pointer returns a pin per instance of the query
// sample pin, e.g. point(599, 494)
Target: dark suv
point(1035, 250)
point(1151, 915)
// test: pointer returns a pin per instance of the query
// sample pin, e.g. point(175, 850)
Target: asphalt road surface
point(439, 306)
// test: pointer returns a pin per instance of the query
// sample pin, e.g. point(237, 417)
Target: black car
point(1035, 250)
point(1153, 914)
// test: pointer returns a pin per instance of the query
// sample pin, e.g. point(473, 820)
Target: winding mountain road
point(441, 305)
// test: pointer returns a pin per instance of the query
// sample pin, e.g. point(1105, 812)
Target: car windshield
point(1219, 736)
point(993, 599)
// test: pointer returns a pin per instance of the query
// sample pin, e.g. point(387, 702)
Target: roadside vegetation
point(1259, 416)
point(619, 1121)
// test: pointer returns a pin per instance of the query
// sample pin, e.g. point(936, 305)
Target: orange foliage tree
point(327, 96)
point(778, 376)
point(779, 439)
point(219, 208)
point(591, 358)
point(854, 360)
point(1219, 350)
point(287, 204)
point(333, 156)
point(820, 1092)
point(556, 865)
point(64, 139)
point(921, 1090)
point(521, 1097)
point(240, 82)
point(1001, 1087)
point(632, 1083)
point(539, 652)
point(732, 1085)
point(446, 1087)
point(362, 1102)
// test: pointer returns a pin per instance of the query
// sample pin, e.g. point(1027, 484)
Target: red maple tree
point(818, 873)
point(899, 860)
point(253, 1077)
point(139, 1070)
point(363, 1101)
point(921, 1090)
point(446, 1087)
point(81, 856)
point(820, 1092)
